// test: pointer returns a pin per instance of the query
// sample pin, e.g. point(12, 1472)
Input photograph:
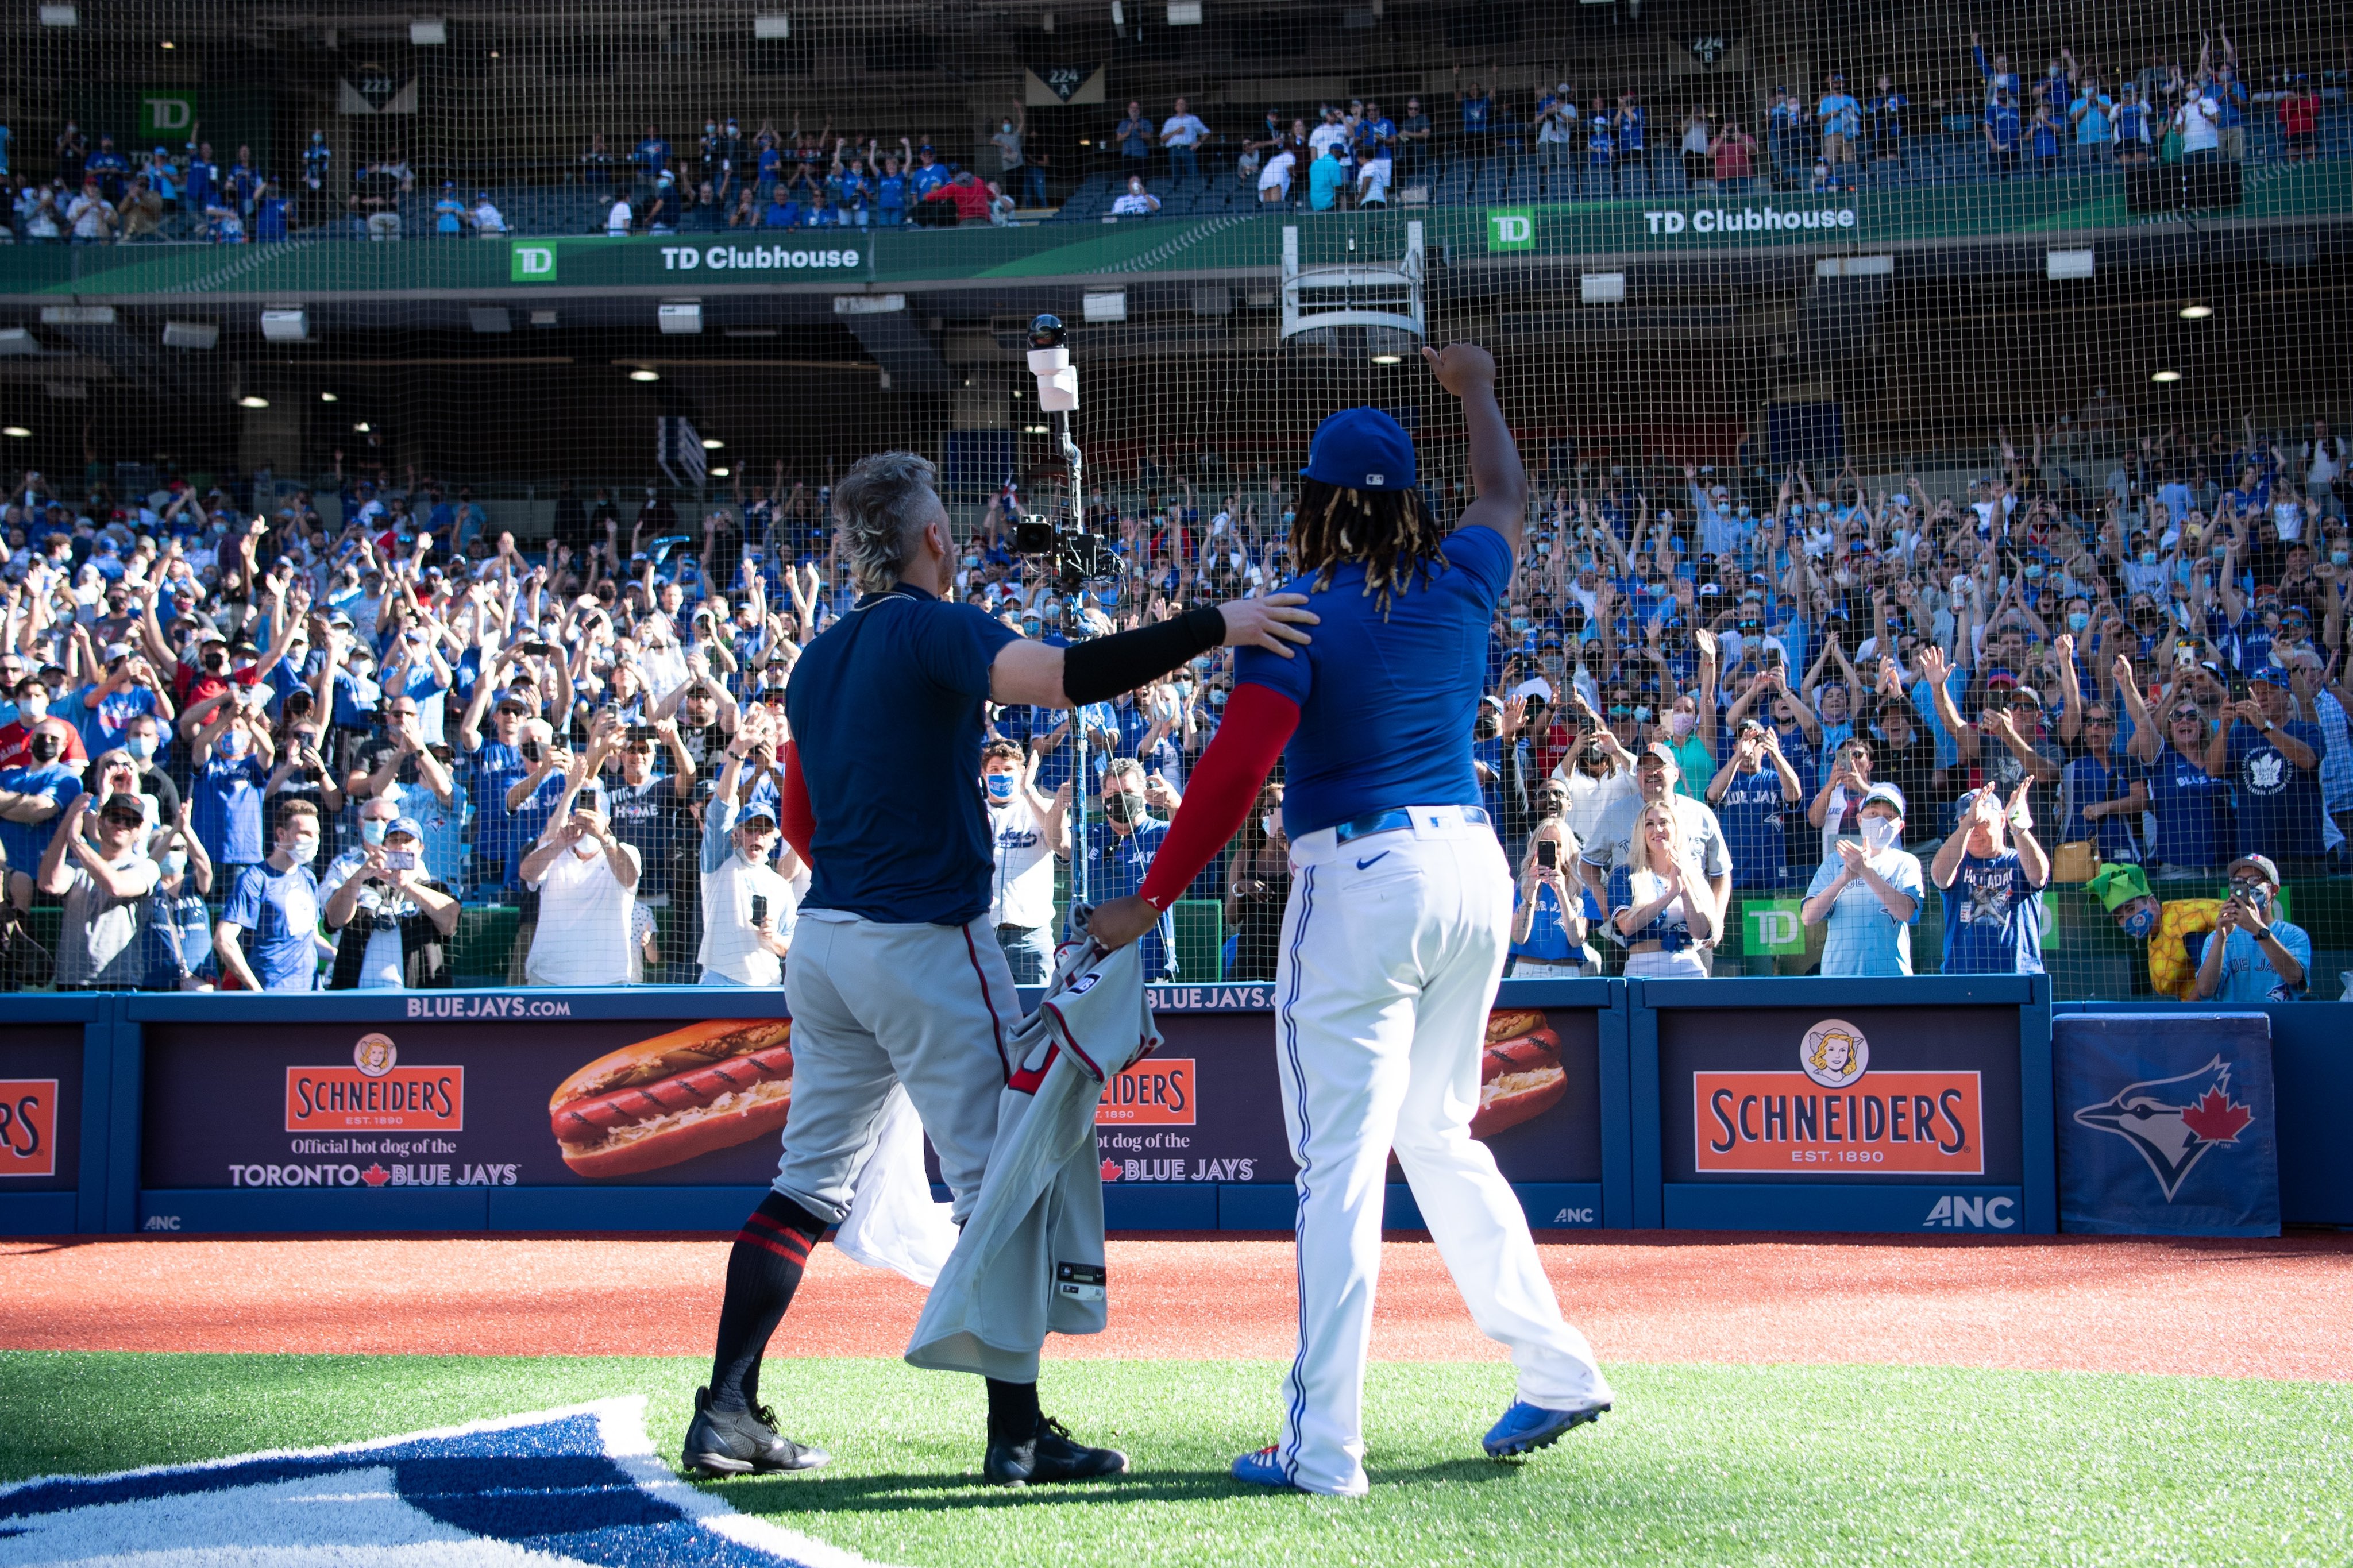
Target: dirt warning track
point(2273, 1309)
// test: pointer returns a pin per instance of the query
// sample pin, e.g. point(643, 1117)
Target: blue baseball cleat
point(1526, 1427)
point(1263, 1469)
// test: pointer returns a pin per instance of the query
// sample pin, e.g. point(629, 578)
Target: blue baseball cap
point(1361, 449)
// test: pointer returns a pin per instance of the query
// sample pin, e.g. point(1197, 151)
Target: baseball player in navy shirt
point(1398, 919)
point(896, 975)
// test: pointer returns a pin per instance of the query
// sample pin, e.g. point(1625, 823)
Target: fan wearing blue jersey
point(1397, 923)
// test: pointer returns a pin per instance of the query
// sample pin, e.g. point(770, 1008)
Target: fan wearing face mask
point(2174, 930)
point(1121, 845)
point(1030, 833)
point(278, 903)
point(1870, 892)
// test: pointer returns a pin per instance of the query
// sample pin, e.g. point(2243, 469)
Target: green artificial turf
point(1710, 1463)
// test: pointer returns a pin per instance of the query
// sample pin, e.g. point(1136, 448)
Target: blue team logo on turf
point(577, 1486)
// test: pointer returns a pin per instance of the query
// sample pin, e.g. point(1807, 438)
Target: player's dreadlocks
point(1392, 531)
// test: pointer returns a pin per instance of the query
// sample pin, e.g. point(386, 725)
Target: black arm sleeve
point(1100, 670)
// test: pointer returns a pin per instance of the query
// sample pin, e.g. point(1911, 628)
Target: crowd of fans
point(2076, 116)
point(288, 738)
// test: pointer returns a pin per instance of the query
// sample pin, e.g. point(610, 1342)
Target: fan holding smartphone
point(1548, 914)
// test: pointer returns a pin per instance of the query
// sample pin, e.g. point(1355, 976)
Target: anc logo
point(1834, 1053)
point(2173, 1121)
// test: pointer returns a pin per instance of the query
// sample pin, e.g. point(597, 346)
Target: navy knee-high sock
point(763, 1269)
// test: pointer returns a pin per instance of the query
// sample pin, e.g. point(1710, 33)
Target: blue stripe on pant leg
point(1299, 1224)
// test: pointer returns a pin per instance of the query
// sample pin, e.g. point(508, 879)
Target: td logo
point(1773, 926)
point(530, 262)
point(1510, 228)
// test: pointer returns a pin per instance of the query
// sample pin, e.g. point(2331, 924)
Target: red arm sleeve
point(1258, 725)
point(795, 820)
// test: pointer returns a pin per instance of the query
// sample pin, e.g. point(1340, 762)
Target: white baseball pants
point(1392, 944)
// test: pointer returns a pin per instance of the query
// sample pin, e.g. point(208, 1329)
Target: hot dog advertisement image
point(1520, 1075)
point(664, 1100)
point(1208, 1106)
point(468, 1102)
point(463, 1098)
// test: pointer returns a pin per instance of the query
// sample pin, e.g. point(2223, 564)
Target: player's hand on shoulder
point(1461, 366)
point(1269, 623)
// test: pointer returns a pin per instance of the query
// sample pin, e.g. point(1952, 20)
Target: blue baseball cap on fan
point(1361, 449)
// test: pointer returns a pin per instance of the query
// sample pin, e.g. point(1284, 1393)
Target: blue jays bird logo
point(2173, 1121)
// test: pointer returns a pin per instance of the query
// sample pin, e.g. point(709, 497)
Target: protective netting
point(430, 423)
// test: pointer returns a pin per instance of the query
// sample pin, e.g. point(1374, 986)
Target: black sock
point(1012, 1411)
point(764, 1269)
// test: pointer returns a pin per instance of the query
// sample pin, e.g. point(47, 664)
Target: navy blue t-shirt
point(1993, 918)
point(887, 708)
point(2280, 812)
point(1386, 706)
point(1750, 815)
point(2193, 811)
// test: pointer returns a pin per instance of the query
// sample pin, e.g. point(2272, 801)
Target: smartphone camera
point(1548, 854)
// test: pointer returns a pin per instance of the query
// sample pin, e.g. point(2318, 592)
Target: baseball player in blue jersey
point(896, 975)
point(1398, 924)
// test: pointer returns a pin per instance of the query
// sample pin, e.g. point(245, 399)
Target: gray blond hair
point(882, 504)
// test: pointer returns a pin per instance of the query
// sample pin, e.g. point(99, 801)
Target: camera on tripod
point(1071, 553)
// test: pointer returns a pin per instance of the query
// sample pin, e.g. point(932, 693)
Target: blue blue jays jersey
point(1386, 705)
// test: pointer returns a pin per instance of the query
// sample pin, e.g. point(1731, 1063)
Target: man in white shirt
point(748, 906)
point(587, 881)
point(1030, 833)
point(619, 221)
point(1137, 203)
point(488, 222)
point(2199, 121)
point(1182, 133)
point(1331, 132)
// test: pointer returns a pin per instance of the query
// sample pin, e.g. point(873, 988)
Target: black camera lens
point(1048, 333)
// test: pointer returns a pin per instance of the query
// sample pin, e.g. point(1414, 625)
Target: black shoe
point(742, 1442)
point(1050, 1455)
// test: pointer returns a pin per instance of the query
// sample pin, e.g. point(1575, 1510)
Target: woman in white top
point(1274, 180)
point(1660, 905)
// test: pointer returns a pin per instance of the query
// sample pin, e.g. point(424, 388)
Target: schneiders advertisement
point(40, 1109)
point(1890, 1094)
point(491, 1103)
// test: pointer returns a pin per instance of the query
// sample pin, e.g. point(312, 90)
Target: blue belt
point(1390, 820)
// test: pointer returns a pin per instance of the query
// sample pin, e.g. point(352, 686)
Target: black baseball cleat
point(743, 1442)
point(1051, 1454)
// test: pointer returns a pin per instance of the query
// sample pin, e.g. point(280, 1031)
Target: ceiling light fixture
point(710, 446)
point(643, 375)
point(2166, 377)
point(327, 397)
point(1389, 359)
point(16, 433)
point(249, 401)
point(2195, 312)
